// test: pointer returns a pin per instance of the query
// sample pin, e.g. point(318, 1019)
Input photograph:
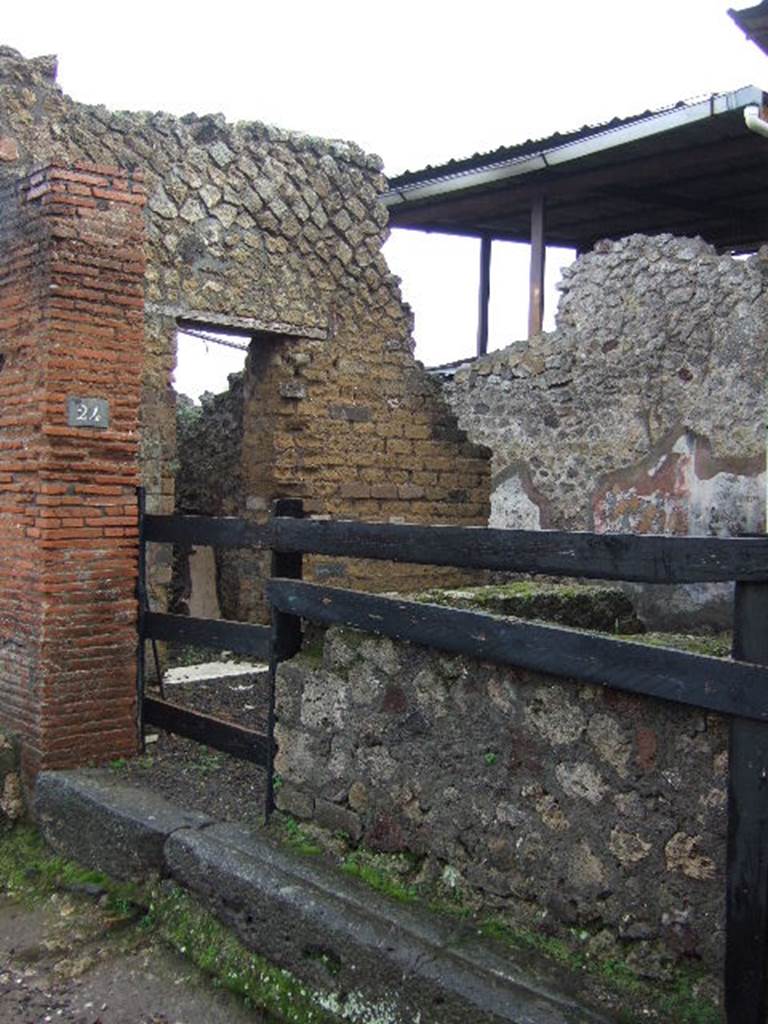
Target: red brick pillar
point(71, 327)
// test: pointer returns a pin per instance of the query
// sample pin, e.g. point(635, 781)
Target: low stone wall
point(575, 810)
point(11, 799)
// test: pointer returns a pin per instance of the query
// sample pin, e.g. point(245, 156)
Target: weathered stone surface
point(9, 150)
point(338, 819)
point(365, 956)
point(628, 847)
point(110, 827)
point(581, 780)
point(681, 853)
point(560, 721)
point(606, 735)
point(12, 807)
point(534, 795)
point(642, 411)
point(9, 757)
point(295, 801)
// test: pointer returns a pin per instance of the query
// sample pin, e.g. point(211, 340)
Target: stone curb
point(107, 825)
point(363, 956)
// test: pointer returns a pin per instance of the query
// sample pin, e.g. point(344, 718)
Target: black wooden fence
point(737, 688)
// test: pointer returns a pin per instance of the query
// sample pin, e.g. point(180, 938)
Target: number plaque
point(88, 412)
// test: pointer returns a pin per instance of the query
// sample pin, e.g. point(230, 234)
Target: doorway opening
point(205, 358)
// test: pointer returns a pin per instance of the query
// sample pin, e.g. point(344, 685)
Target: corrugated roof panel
point(456, 167)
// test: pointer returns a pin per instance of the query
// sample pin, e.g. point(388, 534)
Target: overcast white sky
point(417, 81)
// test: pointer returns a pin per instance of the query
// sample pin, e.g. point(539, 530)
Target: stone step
point(357, 954)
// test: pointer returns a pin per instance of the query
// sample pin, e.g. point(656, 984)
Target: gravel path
point(192, 775)
point(64, 961)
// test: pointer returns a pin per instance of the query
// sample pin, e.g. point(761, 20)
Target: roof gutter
point(749, 97)
point(754, 121)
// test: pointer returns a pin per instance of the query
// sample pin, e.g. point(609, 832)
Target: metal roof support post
point(538, 255)
point(484, 294)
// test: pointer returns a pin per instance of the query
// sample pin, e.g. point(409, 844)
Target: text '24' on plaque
point(88, 412)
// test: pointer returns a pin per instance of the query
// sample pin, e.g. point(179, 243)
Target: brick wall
point(279, 235)
point(71, 313)
point(359, 431)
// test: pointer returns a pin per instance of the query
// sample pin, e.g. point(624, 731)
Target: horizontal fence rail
point(715, 684)
point(224, 532)
point(213, 732)
point(240, 637)
point(612, 556)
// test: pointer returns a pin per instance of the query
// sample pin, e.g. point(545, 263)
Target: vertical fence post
point(141, 597)
point(286, 635)
point(746, 933)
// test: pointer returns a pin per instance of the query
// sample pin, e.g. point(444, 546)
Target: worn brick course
point(68, 530)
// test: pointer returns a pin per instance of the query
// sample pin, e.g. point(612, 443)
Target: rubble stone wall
point(279, 235)
point(644, 411)
point(12, 807)
point(566, 806)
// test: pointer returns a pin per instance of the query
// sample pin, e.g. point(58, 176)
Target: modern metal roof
point(753, 22)
point(693, 168)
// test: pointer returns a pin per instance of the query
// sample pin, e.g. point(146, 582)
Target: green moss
point(674, 1001)
point(523, 938)
point(717, 645)
point(208, 761)
point(582, 606)
point(197, 935)
point(120, 764)
point(353, 638)
point(595, 608)
point(682, 1004)
point(396, 876)
point(290, 832)
point(311, 654)
point(29, 872)
point(382, 872)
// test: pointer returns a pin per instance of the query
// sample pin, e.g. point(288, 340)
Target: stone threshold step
point(361, 956)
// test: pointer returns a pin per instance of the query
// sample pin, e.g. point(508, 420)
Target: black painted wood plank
point(286, 637)
point(747, 858)
point(214, 732)
point(213, 531)
point(240, 637)
point(286, 628)
point(646, 559)
point(141, 599)
point(716, 684)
